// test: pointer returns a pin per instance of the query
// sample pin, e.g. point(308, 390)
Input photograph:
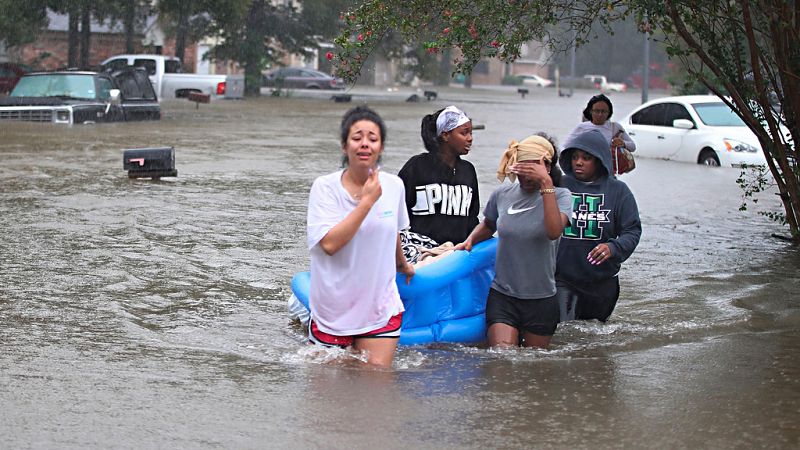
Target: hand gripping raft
point(446, 300)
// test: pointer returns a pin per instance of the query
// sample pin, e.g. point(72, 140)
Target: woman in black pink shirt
point(441, 188)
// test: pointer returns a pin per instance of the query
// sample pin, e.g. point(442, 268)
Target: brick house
point(49, 51)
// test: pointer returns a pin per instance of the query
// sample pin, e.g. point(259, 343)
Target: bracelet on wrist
point(547, 191)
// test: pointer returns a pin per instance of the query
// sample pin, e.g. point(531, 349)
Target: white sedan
point(535, 80)
point(693, 128)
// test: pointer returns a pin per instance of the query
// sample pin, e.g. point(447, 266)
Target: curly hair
point(587, 112)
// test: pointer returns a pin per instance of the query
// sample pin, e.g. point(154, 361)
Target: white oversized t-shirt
point(353, 291)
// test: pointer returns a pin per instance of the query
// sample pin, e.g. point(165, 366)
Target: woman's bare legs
point(380, 351)
point(536, 340)
point(502, 335)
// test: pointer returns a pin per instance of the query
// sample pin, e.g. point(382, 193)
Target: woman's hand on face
point(532, 170)
point(372, 188)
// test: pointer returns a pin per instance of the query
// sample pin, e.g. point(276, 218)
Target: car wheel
point(708, 158)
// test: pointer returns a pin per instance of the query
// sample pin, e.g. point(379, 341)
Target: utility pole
point(572, 63)
point(646, 66)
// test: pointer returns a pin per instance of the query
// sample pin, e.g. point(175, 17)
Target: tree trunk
point(86, 34)
point(254, 44)
point(183, 30)
point(445, 69)
point(130, 25)
point(72, 39)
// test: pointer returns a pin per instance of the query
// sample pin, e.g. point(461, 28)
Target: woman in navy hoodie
point(604, 231)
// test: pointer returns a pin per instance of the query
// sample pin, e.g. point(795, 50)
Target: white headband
point(449, 119)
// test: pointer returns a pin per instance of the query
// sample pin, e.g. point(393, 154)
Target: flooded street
point(152, 314)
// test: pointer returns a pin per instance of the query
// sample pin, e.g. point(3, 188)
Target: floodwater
point(152, 314)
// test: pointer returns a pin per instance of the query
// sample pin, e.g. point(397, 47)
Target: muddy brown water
point(143, 314)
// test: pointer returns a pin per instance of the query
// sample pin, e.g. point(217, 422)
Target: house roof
point(60, 22)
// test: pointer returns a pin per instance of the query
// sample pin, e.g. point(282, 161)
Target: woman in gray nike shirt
point(529, 217)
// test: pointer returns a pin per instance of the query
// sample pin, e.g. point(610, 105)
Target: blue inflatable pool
point(445, 301)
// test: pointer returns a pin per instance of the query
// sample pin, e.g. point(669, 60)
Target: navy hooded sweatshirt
point(604, 211)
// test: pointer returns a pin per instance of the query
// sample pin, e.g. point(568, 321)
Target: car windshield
point(55, 85)
point(717, 114)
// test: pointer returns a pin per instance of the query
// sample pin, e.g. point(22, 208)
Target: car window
point(148, 93)
point(674, 111)
point(717, 114)
point(128, 85)
point(652, 115)
point(148, 64)
point(104, 87)
point(172, 66)
point(116, 64)
point(56, 85)
point(289, 72)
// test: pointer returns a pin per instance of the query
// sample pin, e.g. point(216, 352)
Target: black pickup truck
point(82, 97)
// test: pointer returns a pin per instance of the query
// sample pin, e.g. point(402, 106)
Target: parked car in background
point(693, 128)
point(535, 80)
point(600, 82)
point(166, 75)
point(81, 97)
point(301, 78)
point(10, 73)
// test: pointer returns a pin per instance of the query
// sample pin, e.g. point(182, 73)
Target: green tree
point(745, 51)
point(256, 33)
point(186, 21)
point(21, 23)
point(754, 68)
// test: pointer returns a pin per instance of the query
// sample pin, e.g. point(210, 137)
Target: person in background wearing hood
point(441, 188)
point(596, 116)
point(529, 218)
point(605, 230)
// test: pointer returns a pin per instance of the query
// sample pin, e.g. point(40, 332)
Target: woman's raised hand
point(372, 188)
point(533, 170)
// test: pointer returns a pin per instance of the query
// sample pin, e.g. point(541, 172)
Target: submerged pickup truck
point(600, 82)
point(73, 97)
point(166, 74)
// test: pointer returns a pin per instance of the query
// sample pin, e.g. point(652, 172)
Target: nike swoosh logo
point(512, 210)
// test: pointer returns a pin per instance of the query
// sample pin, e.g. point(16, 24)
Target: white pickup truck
point(600, 82)
point(166, 74)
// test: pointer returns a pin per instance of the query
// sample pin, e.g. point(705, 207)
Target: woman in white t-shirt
point(354, 219)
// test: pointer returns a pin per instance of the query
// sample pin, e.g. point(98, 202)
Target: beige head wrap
point(532, 148)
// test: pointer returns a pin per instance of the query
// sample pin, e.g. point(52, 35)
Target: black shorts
point(586, 302)
point(536, 316)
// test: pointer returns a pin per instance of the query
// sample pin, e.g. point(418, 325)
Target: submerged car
point(535, 80)
point(81, 97)
point(301, 78)
point(698, 129)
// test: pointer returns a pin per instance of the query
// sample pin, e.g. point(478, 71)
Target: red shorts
point(390, 330)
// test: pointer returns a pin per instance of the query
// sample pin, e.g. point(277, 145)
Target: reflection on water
point(130, 305)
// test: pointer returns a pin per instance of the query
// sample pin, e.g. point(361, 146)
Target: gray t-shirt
point(526, 257)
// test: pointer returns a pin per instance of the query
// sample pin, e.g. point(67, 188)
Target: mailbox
point(149, 162)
